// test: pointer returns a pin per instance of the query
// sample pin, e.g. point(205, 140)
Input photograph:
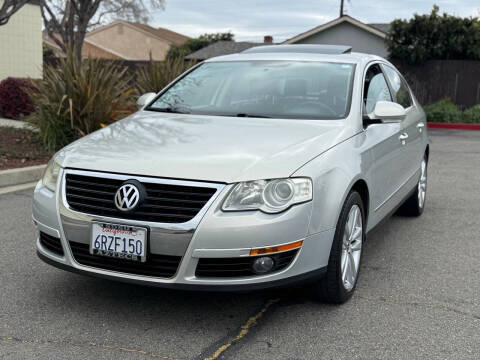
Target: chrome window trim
point(188, 226)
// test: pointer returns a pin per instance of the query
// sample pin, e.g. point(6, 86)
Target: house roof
point(220, 48)
point(172, 36)
point(384, 27)
point(369, 28)
point(89, 48)
point(161, 33)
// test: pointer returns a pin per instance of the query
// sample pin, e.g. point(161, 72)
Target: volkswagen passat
point(251, 170)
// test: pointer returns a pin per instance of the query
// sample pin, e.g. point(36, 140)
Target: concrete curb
point(453, 126)
point(21, 175)
point(18, 124)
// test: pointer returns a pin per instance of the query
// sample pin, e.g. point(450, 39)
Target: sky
point(250, 20)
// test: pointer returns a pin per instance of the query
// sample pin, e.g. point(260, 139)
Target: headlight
point(270, 196)
point(50, 176)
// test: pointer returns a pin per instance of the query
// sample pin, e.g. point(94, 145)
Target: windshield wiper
point(252, 116)
point(173, 110)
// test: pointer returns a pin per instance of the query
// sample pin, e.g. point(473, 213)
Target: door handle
point(403, 137)
point(420, 126)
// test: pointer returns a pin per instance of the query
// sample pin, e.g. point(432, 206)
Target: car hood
point(199, 147)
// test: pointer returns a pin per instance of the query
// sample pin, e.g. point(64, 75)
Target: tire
point(415, 204)
point(332, 288)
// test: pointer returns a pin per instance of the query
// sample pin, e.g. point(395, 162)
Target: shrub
point(472, 115)
point(443, 111)
point(156, 75)
point(15, 101)
point(77, 98)
point(434, 36)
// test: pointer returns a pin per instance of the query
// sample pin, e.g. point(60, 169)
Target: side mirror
point(145, 99)
point(388, 111)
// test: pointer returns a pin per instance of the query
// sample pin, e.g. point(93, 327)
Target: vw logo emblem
point(127, 197)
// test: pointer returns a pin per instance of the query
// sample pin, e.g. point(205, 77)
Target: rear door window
point(401, 94)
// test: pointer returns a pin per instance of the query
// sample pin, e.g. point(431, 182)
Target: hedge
point(14, 99)
point(445, 111)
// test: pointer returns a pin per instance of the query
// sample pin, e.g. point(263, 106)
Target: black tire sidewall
point(352, 199)
point(331, 288)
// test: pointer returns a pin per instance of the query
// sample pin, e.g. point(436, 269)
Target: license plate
point(119, 241)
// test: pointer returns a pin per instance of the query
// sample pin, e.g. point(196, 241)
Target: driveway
point(418, 295)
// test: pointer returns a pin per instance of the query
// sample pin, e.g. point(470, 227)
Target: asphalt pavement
point(418, 295)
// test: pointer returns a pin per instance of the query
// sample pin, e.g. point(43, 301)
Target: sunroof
point(301, 48)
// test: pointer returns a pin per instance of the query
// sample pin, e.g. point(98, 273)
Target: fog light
point(263, 265)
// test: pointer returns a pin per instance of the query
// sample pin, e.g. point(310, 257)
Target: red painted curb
point(461, 126)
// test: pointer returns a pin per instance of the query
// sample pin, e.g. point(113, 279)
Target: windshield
point(276, 89)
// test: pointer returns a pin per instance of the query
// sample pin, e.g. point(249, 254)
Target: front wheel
point(338, 285)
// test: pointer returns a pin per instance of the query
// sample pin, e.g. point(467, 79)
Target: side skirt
point(389, 215)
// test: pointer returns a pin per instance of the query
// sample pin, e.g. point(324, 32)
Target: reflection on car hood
point(198, 147)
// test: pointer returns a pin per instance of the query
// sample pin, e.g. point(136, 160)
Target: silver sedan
point(253, 170)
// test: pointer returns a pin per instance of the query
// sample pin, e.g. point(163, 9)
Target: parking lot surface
point(418, 295)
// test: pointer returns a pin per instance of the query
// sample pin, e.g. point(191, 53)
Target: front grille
point(163, 266)
point(51, 243)
point(164, 202)
point(239, 266)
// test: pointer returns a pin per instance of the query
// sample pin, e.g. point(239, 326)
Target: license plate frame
point(118, 242)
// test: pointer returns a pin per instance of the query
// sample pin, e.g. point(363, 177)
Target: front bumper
point(216, 235)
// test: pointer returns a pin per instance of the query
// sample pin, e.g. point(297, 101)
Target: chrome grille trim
point(188, 225)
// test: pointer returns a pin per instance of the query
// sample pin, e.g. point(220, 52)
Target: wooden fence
point(434, 80)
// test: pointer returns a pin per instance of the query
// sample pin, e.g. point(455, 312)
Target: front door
point(388, 149)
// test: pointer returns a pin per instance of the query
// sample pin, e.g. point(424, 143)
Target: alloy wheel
point(422, 185)
point(352, 247)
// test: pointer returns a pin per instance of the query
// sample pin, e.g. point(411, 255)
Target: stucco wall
point(348, 34)
point(21, 44)
point(92, 51)
point(130, 42)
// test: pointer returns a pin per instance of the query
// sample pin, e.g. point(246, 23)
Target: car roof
point(300, 48)
point(300, 52)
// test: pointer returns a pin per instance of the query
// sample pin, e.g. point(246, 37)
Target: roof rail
point(300, 48)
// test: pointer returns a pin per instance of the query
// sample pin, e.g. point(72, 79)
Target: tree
point(67, 21)
point(193, 45)
point(434, 36)
point(8, 8)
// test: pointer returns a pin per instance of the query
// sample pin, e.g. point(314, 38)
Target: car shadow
point(107, 299)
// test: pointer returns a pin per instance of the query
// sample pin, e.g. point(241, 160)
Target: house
point(21, 43)
point(89, 50)
point(220, 48)
point(135, 41)
point(127, 41)
point(345, 30)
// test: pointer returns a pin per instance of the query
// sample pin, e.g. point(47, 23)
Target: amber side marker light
point(275, 249)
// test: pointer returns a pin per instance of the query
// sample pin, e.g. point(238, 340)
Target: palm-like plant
point(78, 97)
point(156, 75)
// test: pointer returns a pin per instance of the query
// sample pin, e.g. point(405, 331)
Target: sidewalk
point(15, 124)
